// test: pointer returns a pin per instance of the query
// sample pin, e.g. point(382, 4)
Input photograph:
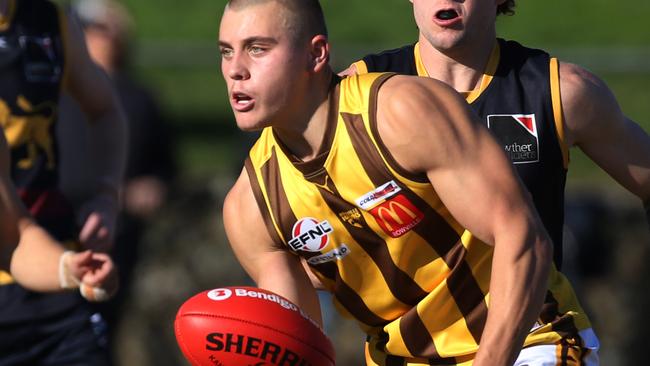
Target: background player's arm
point(434, 132)
point(595, 123)
point(269, 264)
point(32, 255)
point(93, 90)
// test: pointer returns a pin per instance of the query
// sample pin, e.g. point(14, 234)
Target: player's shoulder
point(580, 85)
point(410, 104)
point(414, 89)
point(239, 204)
point(400, 60)
point(236, 197)
point(391, 80)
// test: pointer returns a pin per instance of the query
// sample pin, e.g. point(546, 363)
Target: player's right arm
point(91, 87)
point(269, 264)
point(434, 132)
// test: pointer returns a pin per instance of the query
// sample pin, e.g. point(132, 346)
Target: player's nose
point(238, 68)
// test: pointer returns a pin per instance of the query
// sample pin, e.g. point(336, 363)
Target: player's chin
point(249, 122)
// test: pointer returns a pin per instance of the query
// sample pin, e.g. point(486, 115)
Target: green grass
point(583, 22)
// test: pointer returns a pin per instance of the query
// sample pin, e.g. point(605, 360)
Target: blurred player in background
point(150, 168)
point(36, 260)
point(372, 181)
point(41, 53)
point(536, 106)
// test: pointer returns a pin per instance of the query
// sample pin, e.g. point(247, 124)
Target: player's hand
point(350, 71)
point(144, 195)
point(98, 215)
point(94, 273)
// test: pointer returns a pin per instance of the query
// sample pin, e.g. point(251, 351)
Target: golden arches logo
point(392, 212)
point(397, 216)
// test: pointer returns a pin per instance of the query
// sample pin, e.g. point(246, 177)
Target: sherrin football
point(247, 326)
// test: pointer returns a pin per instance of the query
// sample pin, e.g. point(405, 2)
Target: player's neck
point(461, 67)
point(303, 135)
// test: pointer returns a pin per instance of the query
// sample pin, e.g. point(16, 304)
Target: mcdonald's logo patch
point(397, 216)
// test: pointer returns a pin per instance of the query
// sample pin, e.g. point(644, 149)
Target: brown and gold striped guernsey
point(382, 242)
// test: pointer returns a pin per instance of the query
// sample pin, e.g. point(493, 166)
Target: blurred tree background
point(175, 52)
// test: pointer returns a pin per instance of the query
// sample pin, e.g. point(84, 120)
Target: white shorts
point(562, 354)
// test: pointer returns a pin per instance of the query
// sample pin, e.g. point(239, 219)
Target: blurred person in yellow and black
point(42, 53)
point(36, 260)
point(150, 167)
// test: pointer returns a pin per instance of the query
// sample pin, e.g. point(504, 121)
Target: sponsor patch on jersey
point(332, 255)
point(517, 134)
point(310, 235)
point(352, 217)
point(378, 195)
point(397, 216)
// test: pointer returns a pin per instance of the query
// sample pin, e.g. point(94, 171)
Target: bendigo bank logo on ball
point(232, 341)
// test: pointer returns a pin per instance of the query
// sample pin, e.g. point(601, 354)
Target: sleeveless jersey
point(519, 100)
point(382, 242)
point(31, 75)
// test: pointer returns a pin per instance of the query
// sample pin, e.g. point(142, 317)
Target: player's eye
point(226, 52)
point(256, 50)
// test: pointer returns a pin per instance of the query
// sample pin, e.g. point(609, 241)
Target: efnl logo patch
point(397, 216)
point(517, 133)
point(310, 235)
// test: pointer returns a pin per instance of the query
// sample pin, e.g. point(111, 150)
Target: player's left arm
point(434, 132)
point(91, 87)
point(595, 123)
point(35, 259)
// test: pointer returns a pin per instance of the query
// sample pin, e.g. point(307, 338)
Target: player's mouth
point(241, 102)
point(446, 17)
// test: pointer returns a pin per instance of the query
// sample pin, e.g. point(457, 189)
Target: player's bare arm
point(433, 132)
point(269, 264)
point(90, 86)
point(595, 123)
point(9, 234)
point(21, 238)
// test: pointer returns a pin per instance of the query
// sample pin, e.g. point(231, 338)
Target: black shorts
point(76, 337)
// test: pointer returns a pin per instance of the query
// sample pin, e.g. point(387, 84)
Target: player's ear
point(320, 52)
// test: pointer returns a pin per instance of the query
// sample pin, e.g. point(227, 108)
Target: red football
point(248, 326)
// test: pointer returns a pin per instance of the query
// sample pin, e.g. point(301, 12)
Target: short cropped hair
point(507, 8)
point(305, 17)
